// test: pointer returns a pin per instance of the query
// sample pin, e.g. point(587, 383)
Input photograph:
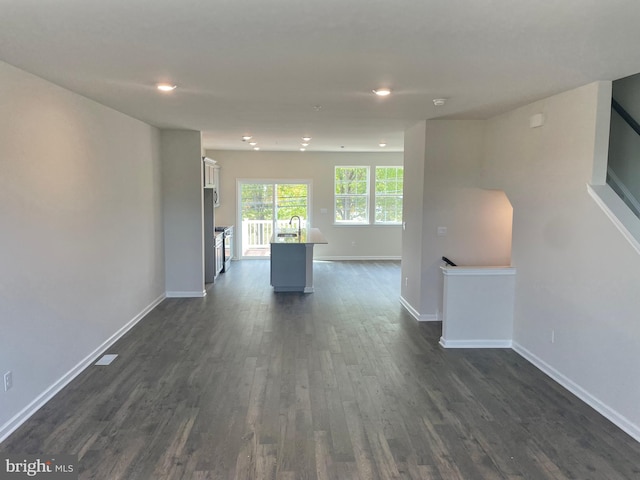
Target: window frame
point(377, 195)
point(366, 196)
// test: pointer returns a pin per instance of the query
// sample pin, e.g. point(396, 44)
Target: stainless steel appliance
point(219, 253)
point(228, 246)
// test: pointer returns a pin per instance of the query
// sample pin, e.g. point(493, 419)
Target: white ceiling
point(261, 66)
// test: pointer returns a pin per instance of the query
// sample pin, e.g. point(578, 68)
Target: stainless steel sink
point(287, 234)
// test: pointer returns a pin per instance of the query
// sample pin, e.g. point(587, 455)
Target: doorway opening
point(267, 205)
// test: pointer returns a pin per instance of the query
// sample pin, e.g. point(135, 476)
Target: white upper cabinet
point(212, 178)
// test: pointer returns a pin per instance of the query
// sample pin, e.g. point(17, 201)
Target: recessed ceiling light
point(306, 138)
point(382, 92)
point(302, 149)
point(256, 148)
point(382, 144)
point(304, 144)
point(253, 144)
point(438, 102)
point(166, 87)
point(246, 137)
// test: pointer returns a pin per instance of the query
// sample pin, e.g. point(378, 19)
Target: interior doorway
point(264, 206)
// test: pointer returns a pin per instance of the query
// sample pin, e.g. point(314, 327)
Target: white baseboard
point(339, 258)
point(619, 420)
point(23, 415)
point(475, 343)
point(417, 315)
point(186, 294)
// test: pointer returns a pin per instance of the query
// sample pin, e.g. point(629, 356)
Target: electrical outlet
point(553, 336)
point(353, 244)
point(406, 281)
point(8, 381)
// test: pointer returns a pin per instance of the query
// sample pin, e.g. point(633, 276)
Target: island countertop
point(308, 236)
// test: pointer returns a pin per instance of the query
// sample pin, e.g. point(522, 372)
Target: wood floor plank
point(358, 437)
point(342, 448)
point(325, 468)
point(341, 384)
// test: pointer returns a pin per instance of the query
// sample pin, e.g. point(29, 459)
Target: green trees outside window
point(353, 194)
point(388, 194)
point(258, 199)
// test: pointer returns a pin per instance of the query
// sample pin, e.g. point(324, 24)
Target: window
point(265, 205)
point(352, 195)
point(388, 195)
point(353, 190)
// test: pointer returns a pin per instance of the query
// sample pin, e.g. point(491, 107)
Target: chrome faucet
point(299, 224)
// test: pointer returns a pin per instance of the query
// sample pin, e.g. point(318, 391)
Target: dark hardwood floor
point(338, 384)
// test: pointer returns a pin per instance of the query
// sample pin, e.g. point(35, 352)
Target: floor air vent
point(107, 359)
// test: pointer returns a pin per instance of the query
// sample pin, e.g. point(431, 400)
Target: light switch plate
point(536, 120)
point(8, 381)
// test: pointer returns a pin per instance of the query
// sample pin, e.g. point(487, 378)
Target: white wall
point(576, 302)
point(182, 202)
point(577, 275)
point(81, 243)
point(478, 221)
point(371, 241)
point(412, 210)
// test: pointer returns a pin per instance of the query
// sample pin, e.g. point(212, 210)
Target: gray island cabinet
point(292, 259)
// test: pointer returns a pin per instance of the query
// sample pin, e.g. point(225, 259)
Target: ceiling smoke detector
point(438, 102)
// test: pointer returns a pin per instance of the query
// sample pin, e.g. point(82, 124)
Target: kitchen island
point(292, 259)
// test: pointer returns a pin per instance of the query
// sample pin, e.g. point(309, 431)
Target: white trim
point(339, 258)
point(618, 212)
point(478, 271)
point(475, 343)
point(627, 193)
point(187, 294)
point(23, 415)
point(615, 417)
point(417, 315)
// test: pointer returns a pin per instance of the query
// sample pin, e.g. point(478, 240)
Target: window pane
point(389, 210)
point(352, 194)
point(388, 194)
point(257, 201)
point(291, 200)
point(351, 209)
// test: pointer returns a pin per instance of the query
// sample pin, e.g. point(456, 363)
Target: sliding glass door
point(265, 205)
